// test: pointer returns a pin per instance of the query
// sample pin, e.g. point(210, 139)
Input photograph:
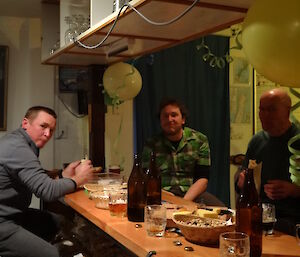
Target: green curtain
point(180, 72)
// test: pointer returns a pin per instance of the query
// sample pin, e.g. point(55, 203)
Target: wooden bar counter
point(137, 241)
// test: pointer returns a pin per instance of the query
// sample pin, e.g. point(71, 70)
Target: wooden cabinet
point(206, 17)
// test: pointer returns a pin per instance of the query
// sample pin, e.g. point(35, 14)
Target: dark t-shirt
point(274, 154)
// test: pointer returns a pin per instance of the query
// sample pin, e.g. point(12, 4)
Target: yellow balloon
point(122, 80)
point(271, 40)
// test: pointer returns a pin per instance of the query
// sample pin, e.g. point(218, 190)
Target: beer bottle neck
point(136, 170)
point(249, 189)
point(153, 170)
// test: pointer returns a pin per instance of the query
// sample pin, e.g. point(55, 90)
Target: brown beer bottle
point(249, 214)
point(137, 194)
point(153, 182)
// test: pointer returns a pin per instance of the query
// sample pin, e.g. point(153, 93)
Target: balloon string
point(295, 106)
point(294, 165)
point(116, 144)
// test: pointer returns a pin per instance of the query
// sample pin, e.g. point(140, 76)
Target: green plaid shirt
point(177, 165)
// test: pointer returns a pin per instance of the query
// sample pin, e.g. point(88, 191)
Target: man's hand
point(69, 171)
point(83, 172)
point(280, 189)
point(80, 172)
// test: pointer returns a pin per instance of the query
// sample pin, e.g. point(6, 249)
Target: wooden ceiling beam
point(208, 5)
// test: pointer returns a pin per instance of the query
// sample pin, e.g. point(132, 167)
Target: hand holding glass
point(234, 244)
point(155, 220)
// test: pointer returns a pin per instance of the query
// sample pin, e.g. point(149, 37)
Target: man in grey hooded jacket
point(25, 231)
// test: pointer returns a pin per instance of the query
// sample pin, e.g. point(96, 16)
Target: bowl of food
point(101, 185)
point(103, 180)
point(201, 230)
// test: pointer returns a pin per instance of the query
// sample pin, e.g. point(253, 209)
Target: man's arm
point(201, 172)
point(199, 186)
point(196, 189)
point(280, 189)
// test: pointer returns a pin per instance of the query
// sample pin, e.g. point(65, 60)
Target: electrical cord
point(108, 33)
point(167, 22)
point(127, 5)
point(69, 109)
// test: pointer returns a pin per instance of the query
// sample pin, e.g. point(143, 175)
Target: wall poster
point(241, 92)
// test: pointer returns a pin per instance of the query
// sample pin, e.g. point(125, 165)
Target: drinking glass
point(85, 25)
point(118, 203)
point(71, 33)
point(79, 20)
point(114, 169)
point(269, 218)
point(234, 244)
point(155, 220)
point(298, 233)
point(117, 4)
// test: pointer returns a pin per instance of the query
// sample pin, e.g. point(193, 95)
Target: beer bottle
point(136, 192)
point(153, 182)
point(249, 214)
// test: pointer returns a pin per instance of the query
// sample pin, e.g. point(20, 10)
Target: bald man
point(270, 147)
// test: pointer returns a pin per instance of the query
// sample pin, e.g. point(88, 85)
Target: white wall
point(50, 29)
point(73, 144)
point(29, 82)
point(122, 148)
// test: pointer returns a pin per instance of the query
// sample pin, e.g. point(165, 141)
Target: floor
point(79, 237)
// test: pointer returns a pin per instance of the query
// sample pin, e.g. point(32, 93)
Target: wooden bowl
point(201, 230)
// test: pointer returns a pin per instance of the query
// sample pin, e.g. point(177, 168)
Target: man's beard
point(173, 132)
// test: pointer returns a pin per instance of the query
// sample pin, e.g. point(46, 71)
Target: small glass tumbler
point(118, 203)
point(233, 244)
point(114, 169)
point(269, 218)
point(155, 220)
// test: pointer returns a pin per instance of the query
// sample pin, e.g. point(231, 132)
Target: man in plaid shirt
point(182, 154)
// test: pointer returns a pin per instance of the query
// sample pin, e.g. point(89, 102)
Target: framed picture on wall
point(241, 92)
point(241, 71)
point(241, 105)
point(3, 85)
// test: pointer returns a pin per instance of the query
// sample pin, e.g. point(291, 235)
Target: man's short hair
point(172, 101)
point(33, 111)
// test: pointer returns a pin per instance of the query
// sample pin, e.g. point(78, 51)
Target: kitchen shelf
point(206, 17)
